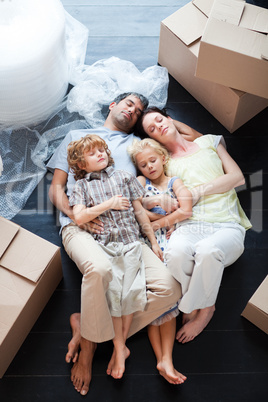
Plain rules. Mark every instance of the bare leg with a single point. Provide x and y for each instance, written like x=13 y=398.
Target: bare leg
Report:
x=116 y=366
x=82 y=369
x=74 y=344
x=196 y=325
x=162 y=340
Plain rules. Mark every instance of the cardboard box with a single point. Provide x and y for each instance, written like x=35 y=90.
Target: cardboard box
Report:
x=30 y=271
x=179 y=44
x=234 y=47
x=256 y=310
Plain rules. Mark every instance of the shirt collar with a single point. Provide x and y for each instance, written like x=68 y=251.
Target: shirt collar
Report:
x=98 y=175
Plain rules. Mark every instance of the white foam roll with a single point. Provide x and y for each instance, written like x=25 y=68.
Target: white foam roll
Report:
x=33 y=61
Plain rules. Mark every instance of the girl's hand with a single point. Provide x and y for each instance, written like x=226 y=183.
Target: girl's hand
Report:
x=195 y=195
x=168 y=203
x=119 y=203
x=170 y=231
x=157 y=250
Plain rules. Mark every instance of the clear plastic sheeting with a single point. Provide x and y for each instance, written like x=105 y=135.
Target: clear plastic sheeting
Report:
x=25 y=152
x=1 y=166
x=97 y=85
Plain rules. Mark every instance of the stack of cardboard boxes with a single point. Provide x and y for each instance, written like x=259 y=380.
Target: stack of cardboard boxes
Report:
x=218 y=51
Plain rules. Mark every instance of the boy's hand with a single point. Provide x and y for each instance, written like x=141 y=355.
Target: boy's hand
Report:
x=157 y=250
x=119 y=203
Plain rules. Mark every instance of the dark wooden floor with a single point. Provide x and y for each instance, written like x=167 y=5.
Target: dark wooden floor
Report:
x=229 y=360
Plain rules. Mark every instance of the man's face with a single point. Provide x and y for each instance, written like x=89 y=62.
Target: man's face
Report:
x=126 y=113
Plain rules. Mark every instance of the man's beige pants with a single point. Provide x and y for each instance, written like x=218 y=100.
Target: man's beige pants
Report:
x=162 y=290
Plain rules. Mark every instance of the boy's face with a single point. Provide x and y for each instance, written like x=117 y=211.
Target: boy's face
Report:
x=96 y=159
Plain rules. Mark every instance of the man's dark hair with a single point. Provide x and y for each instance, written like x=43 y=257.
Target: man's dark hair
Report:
x=142 y=98
x=138 y=129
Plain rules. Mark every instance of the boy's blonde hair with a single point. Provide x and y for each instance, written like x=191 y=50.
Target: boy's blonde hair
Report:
x=138 y=146
x=76 y=150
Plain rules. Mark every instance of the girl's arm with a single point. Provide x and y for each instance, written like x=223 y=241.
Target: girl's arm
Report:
x=232 y=178
x=145 y=224
x=83 y=214
x=184 y=211
x=168 y=203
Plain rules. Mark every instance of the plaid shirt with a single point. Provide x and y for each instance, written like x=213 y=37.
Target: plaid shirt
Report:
x=98 y=187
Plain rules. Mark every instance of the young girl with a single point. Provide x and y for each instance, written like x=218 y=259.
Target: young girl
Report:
x=115 y=197
x=150 y=158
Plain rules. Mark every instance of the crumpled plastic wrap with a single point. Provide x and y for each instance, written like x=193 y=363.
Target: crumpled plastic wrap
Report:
x=97 y=85
x=25 y=150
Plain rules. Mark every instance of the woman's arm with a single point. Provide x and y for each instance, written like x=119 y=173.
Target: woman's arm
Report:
x=83 y=214
x=146 y=227
x=232 y=178
x=184 y=211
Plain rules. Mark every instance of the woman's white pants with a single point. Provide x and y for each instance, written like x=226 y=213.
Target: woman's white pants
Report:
x=196 y=256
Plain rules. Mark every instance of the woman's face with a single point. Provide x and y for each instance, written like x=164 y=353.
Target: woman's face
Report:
x=159 y=127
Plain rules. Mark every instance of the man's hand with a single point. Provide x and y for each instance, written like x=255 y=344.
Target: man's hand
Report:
x=95 y=226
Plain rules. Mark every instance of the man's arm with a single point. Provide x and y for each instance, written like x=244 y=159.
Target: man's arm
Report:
x=57 y=193
x=59 y=198
x=189 y=133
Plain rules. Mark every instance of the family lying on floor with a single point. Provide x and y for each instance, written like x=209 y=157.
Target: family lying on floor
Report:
x=150 y=246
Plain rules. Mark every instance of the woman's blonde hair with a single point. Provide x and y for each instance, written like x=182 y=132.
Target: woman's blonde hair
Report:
x=77 y=149
x=138 y=146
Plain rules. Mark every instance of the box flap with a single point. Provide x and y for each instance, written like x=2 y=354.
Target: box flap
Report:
x=204 y=6
x=228 y=11
x=8 y=231
x=188 y=23
x=255 y=18
x=264 y=49
x=260 y=297
x=28 y=255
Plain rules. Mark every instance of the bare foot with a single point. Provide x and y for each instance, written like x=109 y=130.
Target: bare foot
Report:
x=116 y=366
x=73 y=346
x=81 y=373
x=188 y=317
x=167 y=370
x=195 y=326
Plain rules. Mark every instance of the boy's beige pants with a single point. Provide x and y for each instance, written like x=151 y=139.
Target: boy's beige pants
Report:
x=163 y=291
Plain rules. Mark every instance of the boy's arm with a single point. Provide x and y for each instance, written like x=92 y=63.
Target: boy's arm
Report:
x=145 y=224
x=83 y=214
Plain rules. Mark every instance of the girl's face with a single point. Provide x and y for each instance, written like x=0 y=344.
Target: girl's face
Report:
x=150 y=163
x=96 y=159
x=159 y=127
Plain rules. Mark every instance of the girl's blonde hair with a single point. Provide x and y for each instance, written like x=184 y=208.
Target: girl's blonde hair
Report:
x=138 y=146
x=77 y=149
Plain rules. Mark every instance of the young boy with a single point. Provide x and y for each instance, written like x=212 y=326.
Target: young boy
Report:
x=115 y=197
